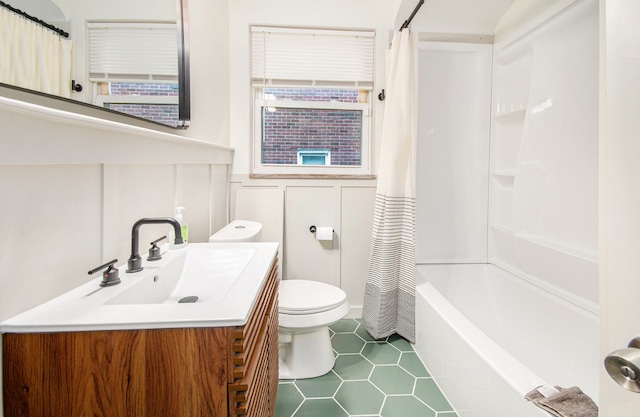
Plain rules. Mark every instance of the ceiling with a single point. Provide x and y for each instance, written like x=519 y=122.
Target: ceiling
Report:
x=454 y=16
x=45 y=10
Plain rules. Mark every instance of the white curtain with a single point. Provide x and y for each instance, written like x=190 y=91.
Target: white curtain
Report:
x=389 y=304
x=32 y=56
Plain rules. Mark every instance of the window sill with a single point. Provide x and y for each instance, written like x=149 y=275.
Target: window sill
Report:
x=313 y=176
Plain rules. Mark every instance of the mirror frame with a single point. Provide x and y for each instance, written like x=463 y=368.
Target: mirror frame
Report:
x=184 y=67
x=81 y=107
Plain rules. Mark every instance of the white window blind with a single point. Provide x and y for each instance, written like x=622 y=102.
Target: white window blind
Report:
x=133 y=52
x=312 y=57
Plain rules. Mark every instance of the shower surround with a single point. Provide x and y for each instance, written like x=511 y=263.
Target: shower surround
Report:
x=508 y=179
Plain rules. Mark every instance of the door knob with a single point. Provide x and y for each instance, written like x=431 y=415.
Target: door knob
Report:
x=623 y=366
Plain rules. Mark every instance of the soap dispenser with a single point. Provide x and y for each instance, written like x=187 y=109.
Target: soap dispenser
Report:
x=185 y=229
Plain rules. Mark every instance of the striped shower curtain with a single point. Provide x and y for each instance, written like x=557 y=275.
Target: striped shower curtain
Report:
x=33 y=57
x=389 y=302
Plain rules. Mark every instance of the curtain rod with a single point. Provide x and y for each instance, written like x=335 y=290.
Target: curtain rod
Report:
x=35 y=19
x=408 y=21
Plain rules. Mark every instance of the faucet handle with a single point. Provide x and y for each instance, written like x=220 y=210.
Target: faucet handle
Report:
x=154 y=250
x=110 y=276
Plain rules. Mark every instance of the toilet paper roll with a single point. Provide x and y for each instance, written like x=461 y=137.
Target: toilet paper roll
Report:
x=324 y=233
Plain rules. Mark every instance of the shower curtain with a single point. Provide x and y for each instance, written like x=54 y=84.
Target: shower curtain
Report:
x=33 y=56
x=389 y=304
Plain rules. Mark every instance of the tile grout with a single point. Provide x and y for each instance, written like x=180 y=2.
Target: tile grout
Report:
x=351 y=390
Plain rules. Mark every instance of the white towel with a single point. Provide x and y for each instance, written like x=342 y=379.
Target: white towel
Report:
x=568 y=402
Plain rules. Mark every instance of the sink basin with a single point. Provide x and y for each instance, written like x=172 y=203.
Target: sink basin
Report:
x=217 y=283
x=201 y=272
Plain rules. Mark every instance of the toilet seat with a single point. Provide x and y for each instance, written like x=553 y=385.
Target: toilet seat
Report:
x=298 y=296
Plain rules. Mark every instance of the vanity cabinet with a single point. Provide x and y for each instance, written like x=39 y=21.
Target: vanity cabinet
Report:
x=254 y=358
x=216 y=371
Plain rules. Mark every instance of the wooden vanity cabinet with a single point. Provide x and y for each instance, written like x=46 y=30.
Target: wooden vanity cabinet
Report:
x=213 y=372
x=254 y=359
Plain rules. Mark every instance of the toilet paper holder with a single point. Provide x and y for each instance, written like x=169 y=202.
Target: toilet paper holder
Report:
x=312 y=229
x=623 y=366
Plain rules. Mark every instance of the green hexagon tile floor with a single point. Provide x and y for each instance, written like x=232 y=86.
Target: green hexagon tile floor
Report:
x=371 y=378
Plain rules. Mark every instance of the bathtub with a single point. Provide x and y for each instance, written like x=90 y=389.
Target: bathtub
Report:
x=488 y=337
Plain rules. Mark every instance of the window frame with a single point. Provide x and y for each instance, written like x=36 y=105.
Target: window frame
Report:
x=101 y=99
x=348 y=63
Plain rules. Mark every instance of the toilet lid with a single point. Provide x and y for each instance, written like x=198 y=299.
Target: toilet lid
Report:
x=298 y=296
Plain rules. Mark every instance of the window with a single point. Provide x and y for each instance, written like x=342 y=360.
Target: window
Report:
x=133 y=68
x=314 y=157
x=312 y=101
x=308 y=118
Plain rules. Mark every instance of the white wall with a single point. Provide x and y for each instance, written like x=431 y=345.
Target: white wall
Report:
x=523 y=13
x=211 y=102
x=453 y=152
x=347 y=205
x=66 y=219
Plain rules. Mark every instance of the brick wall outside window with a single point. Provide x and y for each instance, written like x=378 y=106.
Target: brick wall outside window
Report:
x=143 y=89
x=286 y=130
x=162 y=113
x=313 y=94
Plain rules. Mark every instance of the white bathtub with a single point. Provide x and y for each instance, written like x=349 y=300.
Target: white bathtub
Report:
x=488 y=337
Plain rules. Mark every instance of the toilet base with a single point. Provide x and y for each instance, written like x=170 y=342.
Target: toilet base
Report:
x=305 y=355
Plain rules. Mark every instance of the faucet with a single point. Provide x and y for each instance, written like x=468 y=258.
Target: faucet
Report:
x=134 y=264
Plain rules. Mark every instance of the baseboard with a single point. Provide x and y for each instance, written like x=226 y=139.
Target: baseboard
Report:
x=354 y=313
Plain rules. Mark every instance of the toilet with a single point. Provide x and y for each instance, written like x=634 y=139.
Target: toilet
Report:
x=306 y=310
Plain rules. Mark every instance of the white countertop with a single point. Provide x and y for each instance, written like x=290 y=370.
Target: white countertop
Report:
x=226 y=295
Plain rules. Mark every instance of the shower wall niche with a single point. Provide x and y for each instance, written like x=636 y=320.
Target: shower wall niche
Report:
x=543 y=182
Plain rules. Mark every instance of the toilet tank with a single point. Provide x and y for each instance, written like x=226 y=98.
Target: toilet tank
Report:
x=238 y=231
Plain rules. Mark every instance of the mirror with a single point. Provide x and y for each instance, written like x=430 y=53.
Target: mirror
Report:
x=128 y=57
